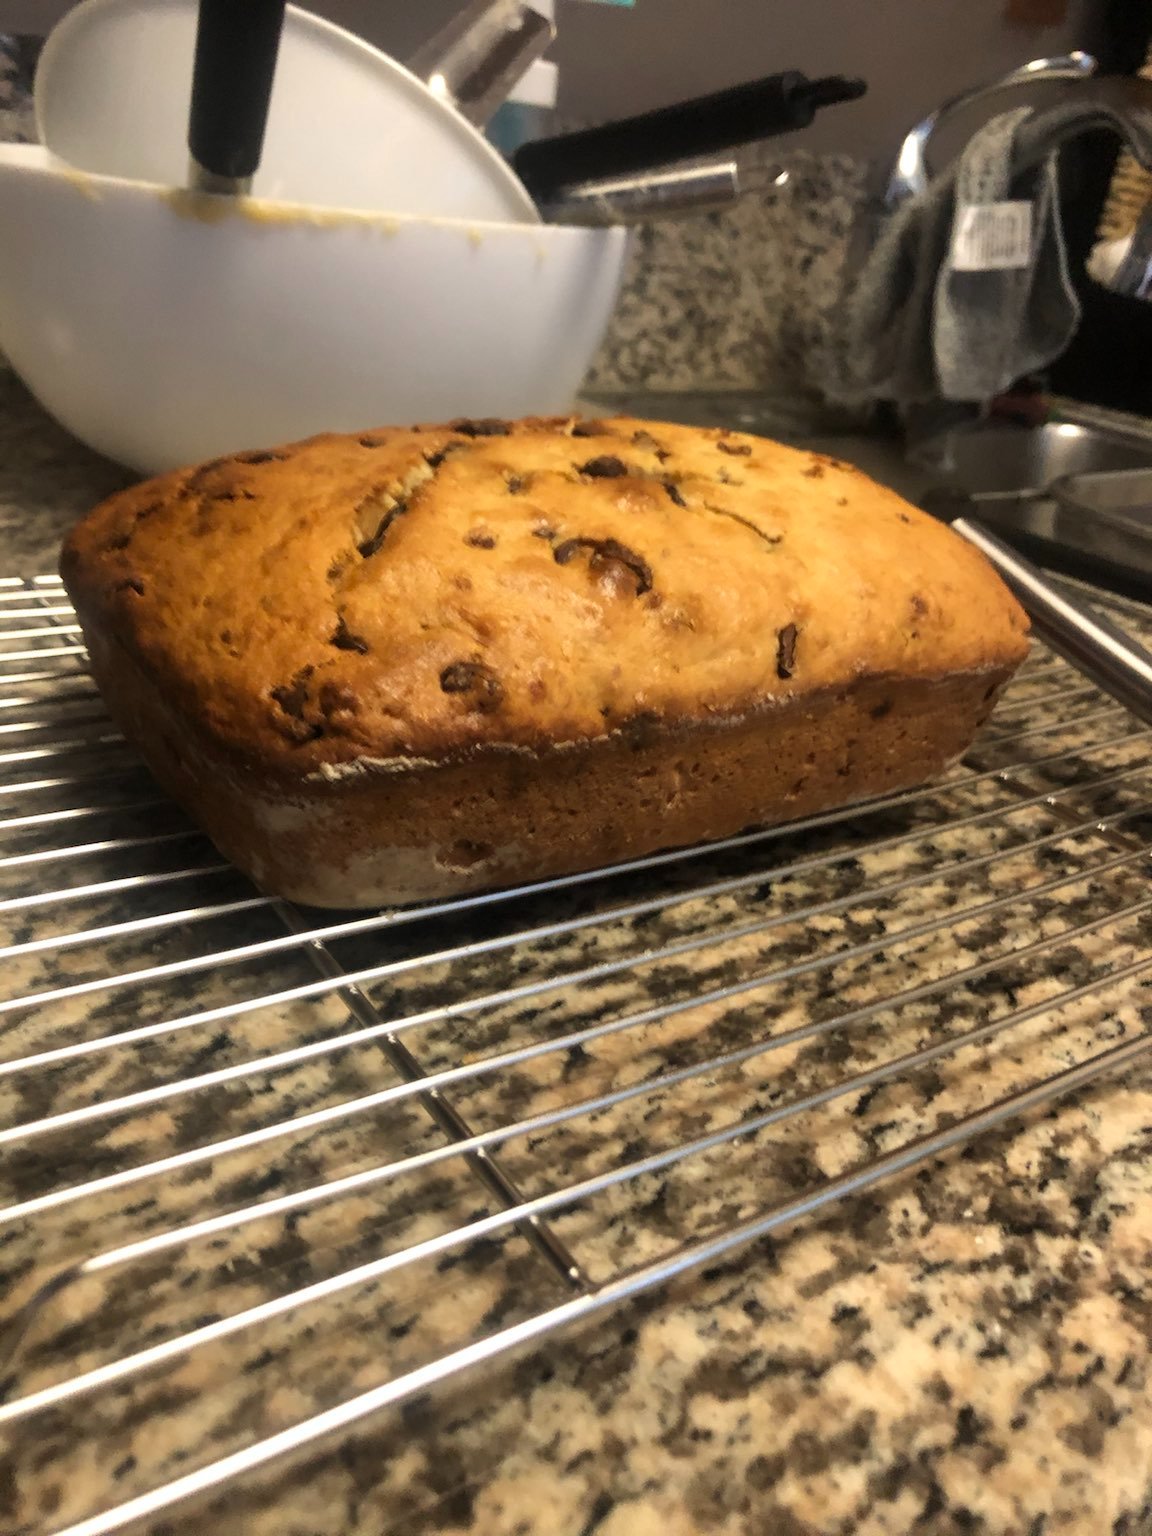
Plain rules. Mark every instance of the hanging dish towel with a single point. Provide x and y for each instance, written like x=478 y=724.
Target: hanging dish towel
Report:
x=967 y=288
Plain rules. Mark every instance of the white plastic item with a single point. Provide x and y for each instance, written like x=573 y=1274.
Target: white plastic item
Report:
x=538 y=86
x=1106 y=258
x=165 y=327
x=348 y=127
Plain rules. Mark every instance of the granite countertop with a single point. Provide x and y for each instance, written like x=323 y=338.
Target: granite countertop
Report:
x=965 y=1349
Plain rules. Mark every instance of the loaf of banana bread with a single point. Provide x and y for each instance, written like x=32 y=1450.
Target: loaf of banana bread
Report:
x=419 y=661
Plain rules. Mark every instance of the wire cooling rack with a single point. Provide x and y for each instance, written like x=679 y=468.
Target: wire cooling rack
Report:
x=269 y=1172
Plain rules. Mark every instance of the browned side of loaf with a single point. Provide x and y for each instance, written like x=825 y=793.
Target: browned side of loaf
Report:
x=408 y=663
x=500 y=818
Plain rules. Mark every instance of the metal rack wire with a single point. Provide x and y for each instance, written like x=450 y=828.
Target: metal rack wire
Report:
x=245 y=1143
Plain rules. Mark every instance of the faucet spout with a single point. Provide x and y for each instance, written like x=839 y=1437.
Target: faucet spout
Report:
x=910 y=174
x=1120 y=103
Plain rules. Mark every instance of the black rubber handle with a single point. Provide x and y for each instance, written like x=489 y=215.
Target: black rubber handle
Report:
x=236 y=46
x=742 y=114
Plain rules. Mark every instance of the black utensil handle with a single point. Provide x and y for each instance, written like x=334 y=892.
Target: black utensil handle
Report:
x=705 y=125
x=236 y=46
x=1089 y=640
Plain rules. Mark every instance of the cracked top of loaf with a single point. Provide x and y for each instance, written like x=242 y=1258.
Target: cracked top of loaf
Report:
x=420 y=592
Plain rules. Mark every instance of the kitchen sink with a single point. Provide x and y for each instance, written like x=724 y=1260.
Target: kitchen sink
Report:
x=990 y=459
x=1073 y=495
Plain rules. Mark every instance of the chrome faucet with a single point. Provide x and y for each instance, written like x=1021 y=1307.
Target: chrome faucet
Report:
x=909 y=175
x=1082 y=102
x=1121 y=103
x=892 y=184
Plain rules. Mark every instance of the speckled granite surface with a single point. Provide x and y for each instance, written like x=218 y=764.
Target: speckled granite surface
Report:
x=742 y=299
x=18 y=55
x=47 y=481
x=964 y=1349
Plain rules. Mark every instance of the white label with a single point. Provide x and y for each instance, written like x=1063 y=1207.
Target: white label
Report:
x=992 y=237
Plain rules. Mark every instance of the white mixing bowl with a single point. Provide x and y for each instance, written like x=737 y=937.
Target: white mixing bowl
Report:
x=163 y=327
x=348 y=127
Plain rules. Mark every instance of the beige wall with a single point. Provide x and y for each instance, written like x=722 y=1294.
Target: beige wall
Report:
x=913 y=53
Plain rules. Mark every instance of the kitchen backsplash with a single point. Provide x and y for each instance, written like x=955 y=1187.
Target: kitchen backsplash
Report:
x=741 y=299
x=18 y=55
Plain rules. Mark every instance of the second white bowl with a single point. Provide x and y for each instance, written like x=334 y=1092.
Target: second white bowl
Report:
x=348 y=127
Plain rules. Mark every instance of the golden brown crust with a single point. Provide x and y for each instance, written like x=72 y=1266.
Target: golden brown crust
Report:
x=430 y=593
x=369 y=838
